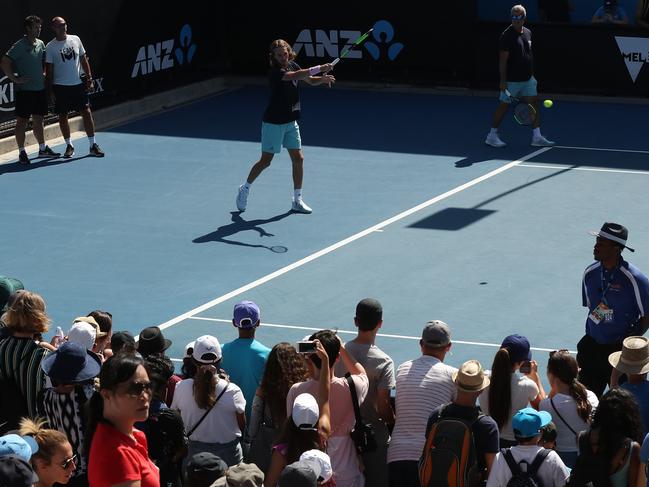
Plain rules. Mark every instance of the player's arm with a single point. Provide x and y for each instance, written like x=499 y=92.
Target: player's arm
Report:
x=384 y=408
x=85 y=65
x=325 y=79
x=7 y=68
x=305 y=74
x=502 y=69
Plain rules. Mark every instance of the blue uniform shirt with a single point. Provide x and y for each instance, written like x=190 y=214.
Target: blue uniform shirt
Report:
x=627 y=295
x=244 y=360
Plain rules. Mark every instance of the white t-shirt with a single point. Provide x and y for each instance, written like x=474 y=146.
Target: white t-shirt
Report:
x=566 y=439
x=220 y=425
x=552 y=472
x=524 y=390
x=65 y=58
x=423 y=385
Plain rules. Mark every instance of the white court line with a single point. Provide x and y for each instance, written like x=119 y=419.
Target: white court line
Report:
x=348 y=240
x=591 y=169
x=602 y=149
x=386 y=335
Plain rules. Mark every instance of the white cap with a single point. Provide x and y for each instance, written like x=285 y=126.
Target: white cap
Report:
x=83 y=333
x=322 y=460
x=305 y=412
x=207 y=349
x=188 y=347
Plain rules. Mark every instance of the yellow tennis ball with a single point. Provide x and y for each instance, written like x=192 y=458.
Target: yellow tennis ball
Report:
x=548 y=103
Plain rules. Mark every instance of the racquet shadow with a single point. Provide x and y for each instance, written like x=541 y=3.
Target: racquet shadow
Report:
x=240 y=225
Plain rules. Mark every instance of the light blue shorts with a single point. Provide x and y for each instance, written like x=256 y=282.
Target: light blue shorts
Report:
x=519 y=89
x=274 y=136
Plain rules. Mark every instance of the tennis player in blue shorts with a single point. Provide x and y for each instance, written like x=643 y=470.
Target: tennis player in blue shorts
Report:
x=515 y=67
x=279 y=127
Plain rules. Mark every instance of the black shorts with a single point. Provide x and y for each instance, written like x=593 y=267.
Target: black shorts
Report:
x=70 y=98
x=31 y=103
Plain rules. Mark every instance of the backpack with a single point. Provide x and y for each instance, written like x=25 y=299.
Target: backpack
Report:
x=527 y=477
x=167 y=445
x=449 y=458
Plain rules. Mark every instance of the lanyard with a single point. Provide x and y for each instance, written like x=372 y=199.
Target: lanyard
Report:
x=606 y=284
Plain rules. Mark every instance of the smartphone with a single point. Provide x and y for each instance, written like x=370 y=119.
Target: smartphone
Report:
x=306 y=347
x=526 y=367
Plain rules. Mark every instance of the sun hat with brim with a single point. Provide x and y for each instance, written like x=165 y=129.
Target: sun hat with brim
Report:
x=470 y=377
x=614 y=232
x=151 y=340
x=634 y=356
x=71 y=364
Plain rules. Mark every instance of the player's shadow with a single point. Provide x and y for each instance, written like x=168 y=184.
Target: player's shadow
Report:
x=240 y=225
x=37 y=164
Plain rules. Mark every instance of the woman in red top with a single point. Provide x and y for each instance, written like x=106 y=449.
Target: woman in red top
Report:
x=118 y=452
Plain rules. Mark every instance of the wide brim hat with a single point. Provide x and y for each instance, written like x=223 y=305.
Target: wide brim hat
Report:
x=633 y=359
x=470 y=377
x=614 y=232
x=71 y=363
x=151 y=340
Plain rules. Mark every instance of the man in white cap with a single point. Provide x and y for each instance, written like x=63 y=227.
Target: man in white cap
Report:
x=616 y=294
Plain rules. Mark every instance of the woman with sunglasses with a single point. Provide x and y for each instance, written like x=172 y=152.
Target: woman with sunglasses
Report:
x=569 y=402
x=54 y=462
x=118 y=454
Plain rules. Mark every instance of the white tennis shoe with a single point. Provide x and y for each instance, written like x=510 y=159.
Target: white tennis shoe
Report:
x=494 y=141
x=541 y=141
x=300 y=206
x=242 y=198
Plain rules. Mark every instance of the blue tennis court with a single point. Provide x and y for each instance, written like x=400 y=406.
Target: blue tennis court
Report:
x=410 y=207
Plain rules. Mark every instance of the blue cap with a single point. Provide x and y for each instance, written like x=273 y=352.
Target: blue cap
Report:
x=20 y=446
x=518 y=347
x=246 y=314
x=528 y=422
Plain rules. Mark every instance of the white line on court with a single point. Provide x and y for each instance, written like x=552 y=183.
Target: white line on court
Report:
x=386 y=335
x=602 y=149
x=348 y=240
x=591 y=169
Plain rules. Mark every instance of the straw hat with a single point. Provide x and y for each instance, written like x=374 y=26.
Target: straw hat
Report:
x=470 y=377
x=634 y=357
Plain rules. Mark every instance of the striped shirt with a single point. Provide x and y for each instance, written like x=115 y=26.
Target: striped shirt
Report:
x=20 y=363
x=423 y=385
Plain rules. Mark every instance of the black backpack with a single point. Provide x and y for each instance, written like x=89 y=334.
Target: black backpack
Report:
x=527 y=477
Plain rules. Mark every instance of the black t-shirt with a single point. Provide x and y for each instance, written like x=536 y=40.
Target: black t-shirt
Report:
x=284 y=104
x=519 y=47
x=485 y=429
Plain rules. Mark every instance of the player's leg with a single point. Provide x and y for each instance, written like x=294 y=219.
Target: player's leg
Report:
x=529 y=94
x=62 y=107
x=21 y=125
x=39 y=110
x=493 y=138
x=293 y=143
x=82 y=105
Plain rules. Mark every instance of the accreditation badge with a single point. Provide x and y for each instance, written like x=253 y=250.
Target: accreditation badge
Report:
x=601 y=313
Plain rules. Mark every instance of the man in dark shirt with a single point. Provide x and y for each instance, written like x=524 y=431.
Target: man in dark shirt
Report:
x=279 y=127
x=516 y=77
x=470 y=381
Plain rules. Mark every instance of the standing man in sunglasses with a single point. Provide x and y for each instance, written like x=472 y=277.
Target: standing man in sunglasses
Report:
x=516 y=77
x=65 y=57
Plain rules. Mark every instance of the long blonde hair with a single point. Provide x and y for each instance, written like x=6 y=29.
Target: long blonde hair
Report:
x=26 y=313
x=48 y=440
x=274 y=45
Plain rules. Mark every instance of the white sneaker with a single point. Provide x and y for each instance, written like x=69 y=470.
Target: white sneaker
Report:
x=541 y=141
x=494 y=141
x=242 y=198
x=300 y=206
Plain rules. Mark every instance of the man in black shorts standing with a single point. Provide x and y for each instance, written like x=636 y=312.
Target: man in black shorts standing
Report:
x=64 y=58
x=23 y=64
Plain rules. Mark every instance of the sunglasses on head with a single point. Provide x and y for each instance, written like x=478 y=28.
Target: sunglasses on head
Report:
x=69 y=461
x=135 y=389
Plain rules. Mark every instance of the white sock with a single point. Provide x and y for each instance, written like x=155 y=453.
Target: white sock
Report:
x=21 y=149
x=297 y=194
x=41 y=147
x=91 y=140
x=494 y=131
x=247 y=185
x=536 y=132
x=67 y=141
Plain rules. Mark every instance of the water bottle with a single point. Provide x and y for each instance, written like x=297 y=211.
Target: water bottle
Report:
x=59 y=337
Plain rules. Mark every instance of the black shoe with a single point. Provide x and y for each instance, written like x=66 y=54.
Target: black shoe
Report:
x=47 y=152
x=96 y=151
x=69 y=151
x=22 y=157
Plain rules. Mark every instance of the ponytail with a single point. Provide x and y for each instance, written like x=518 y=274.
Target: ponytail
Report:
x=580 y=394
x=563 y=367
x=48 y=440
x=500 y=388
x=205 y=380
x=94 y=416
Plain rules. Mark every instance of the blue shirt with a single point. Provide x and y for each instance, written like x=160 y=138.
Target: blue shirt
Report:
x=244 y=360
x=641 y=393
x=627 y=294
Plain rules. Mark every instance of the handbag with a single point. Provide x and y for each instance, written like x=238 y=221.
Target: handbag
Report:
x=261 y=445
x=363 y=434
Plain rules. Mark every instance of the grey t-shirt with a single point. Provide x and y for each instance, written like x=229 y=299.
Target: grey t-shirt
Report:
x=28 y=61
x=380 y=371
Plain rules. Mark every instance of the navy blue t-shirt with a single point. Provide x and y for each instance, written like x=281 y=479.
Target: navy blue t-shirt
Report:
x=519 y=47
x=284 y=103
x=485 y=429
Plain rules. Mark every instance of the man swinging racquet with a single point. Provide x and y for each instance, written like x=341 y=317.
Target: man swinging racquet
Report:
x=516 y=79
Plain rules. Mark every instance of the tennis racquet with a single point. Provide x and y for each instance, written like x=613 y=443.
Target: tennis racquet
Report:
x=524 y=113
x=356 y=43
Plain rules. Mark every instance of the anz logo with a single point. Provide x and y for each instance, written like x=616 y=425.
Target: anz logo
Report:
x=331 y=43
x=165 y=54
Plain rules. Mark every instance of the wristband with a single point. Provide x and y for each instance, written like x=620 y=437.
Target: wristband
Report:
x=314 y=70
